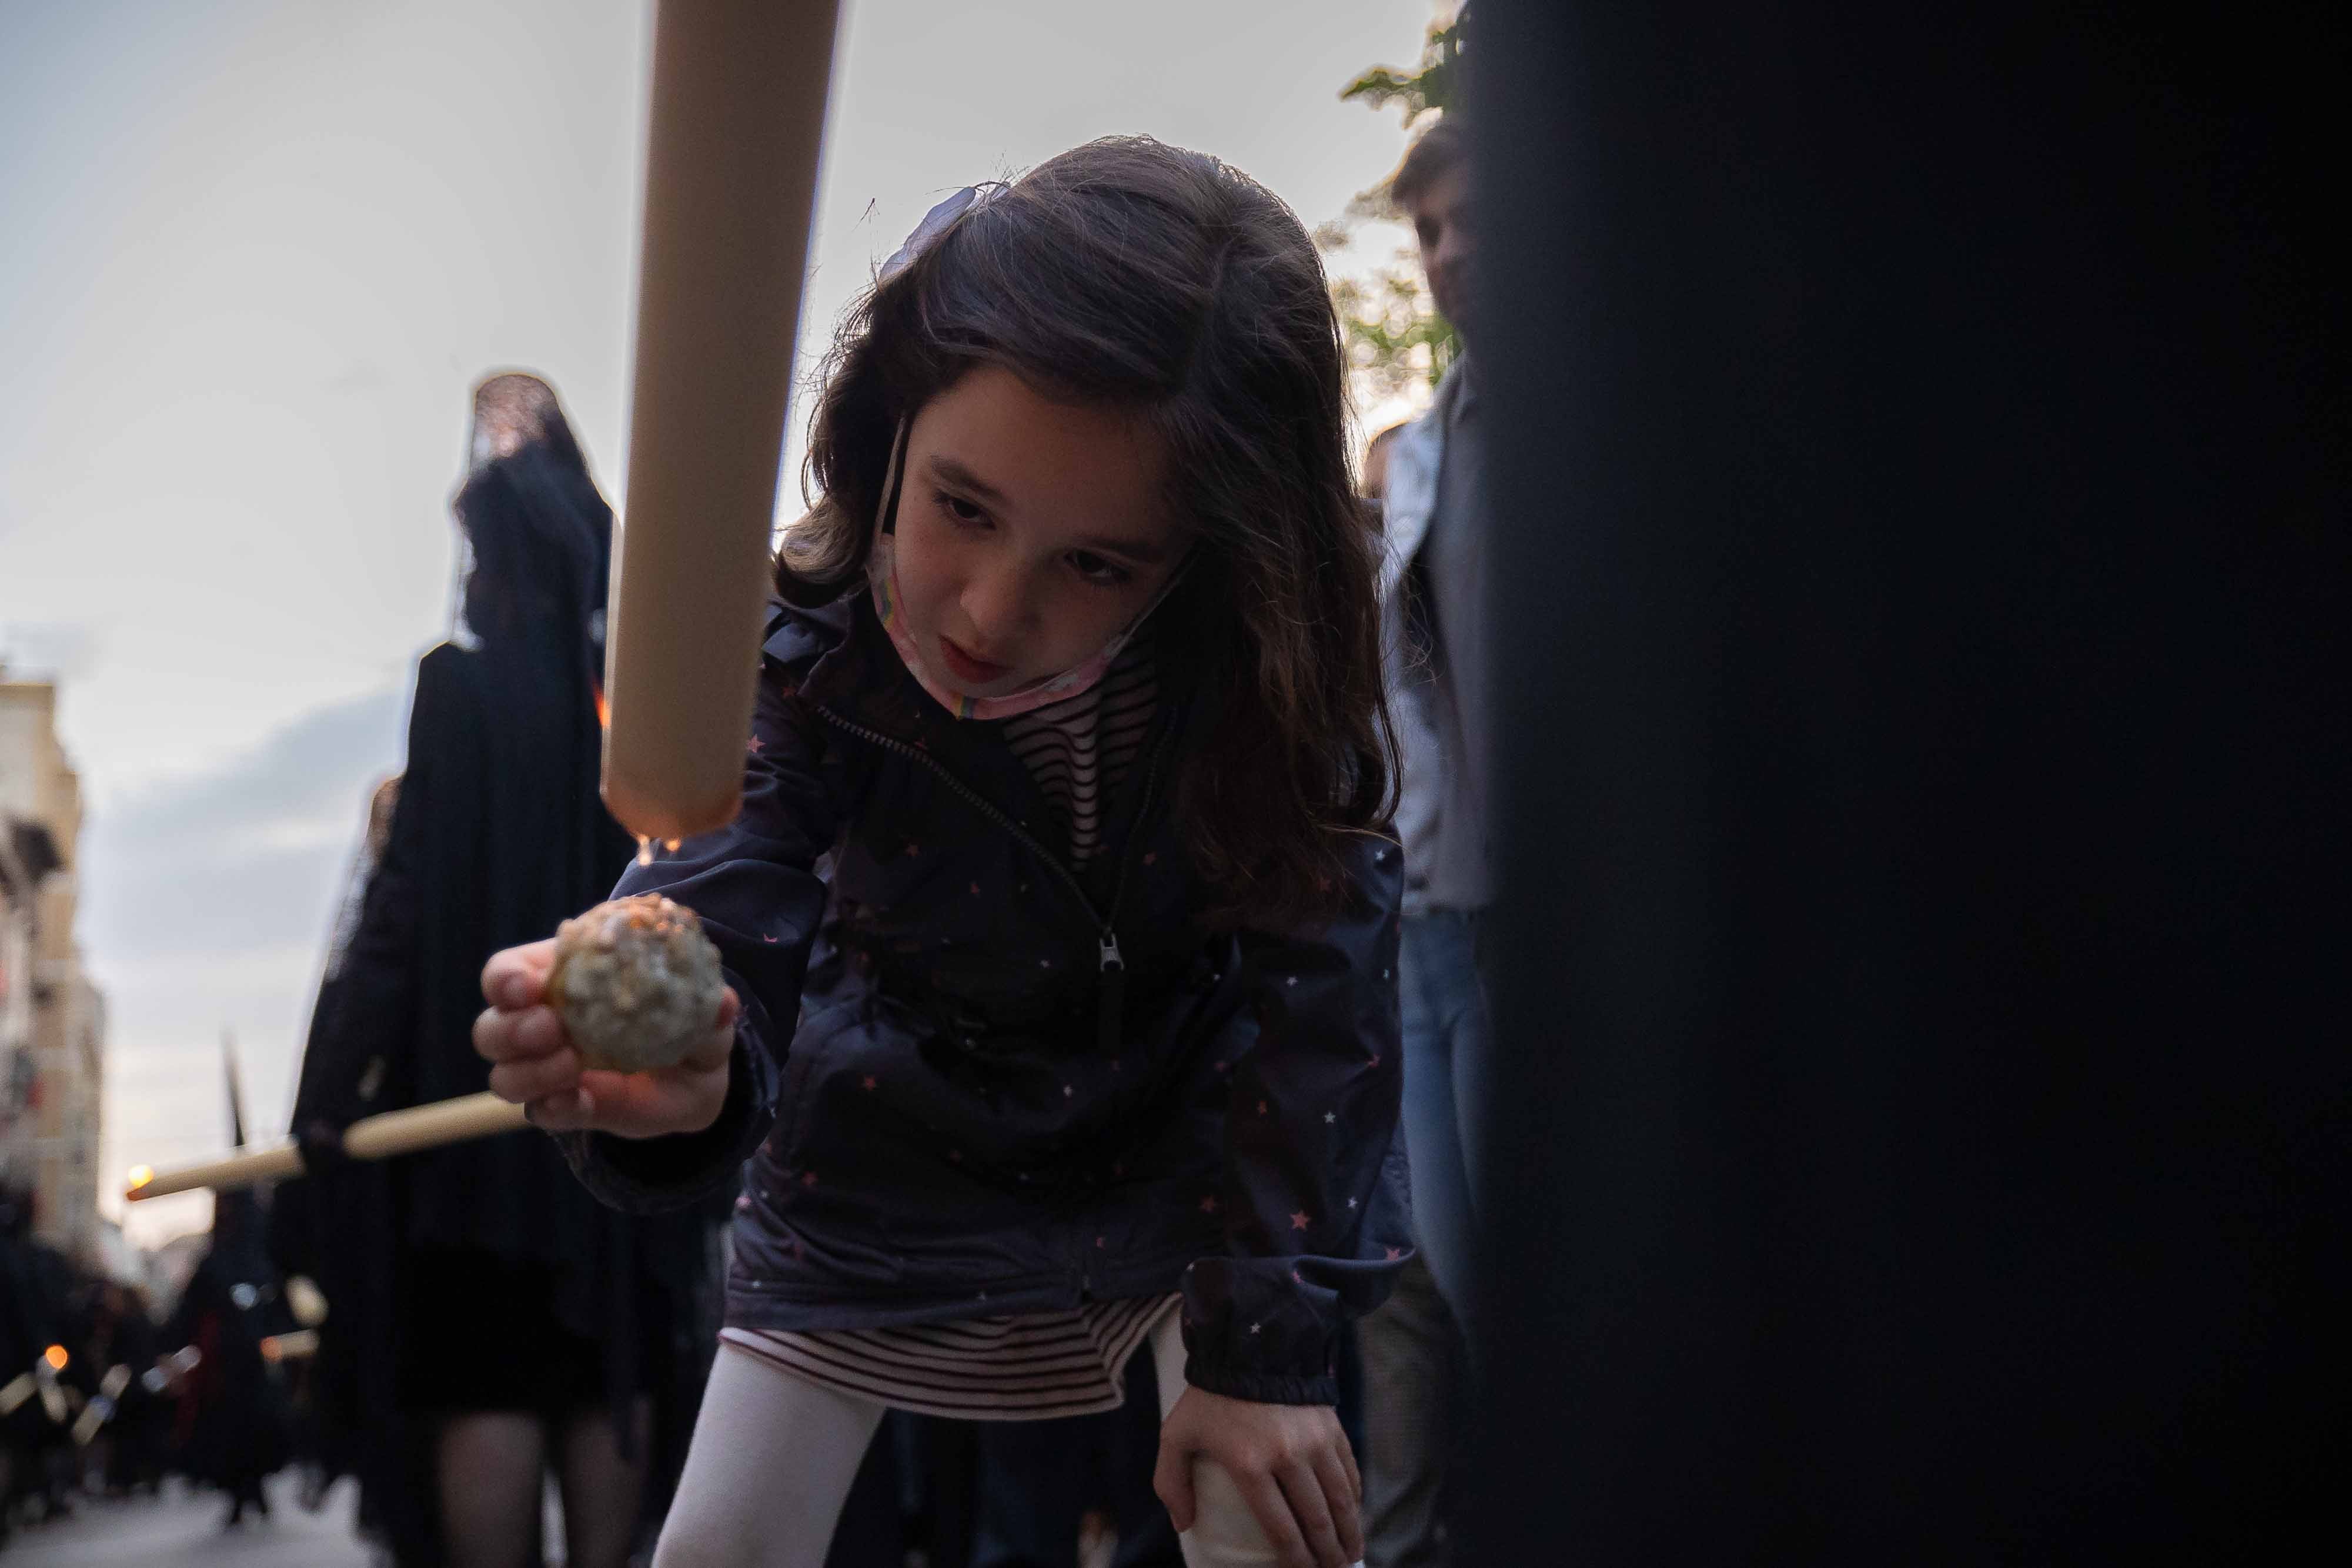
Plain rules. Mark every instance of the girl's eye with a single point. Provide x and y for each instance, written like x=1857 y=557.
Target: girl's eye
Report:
x=960 y=510
x=1097 y=570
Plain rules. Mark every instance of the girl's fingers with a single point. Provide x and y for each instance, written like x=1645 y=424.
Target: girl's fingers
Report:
x=1172 y=1478
x=536 y=1078
x=1335 y=1470
x=716 y=1048
x=573 y=1111
x=1302 y=1488
x=650 y=1104
x=1270 y=1509
x=516 y=977
x=500 y=1035
x=490 y=1027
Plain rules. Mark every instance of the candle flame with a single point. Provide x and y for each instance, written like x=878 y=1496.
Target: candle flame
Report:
x=57 y=1357
x=603 y=709
x=140 y=1177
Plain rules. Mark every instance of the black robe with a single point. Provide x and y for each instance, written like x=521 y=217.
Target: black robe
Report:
x=498 y=833
x=232 y=1427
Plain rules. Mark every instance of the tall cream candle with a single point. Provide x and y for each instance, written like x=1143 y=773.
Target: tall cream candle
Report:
x=739 y=93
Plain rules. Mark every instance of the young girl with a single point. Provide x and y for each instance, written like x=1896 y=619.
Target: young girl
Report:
x=1061 y=915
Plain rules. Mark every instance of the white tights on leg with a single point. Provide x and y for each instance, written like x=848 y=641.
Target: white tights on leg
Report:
x=774 y=1455
x=770 y=1465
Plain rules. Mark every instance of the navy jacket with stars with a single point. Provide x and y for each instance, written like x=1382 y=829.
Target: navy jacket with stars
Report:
x=973 y=1080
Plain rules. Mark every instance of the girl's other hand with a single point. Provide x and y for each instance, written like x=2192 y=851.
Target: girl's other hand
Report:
x=534 y=1064
x=1290 y=1462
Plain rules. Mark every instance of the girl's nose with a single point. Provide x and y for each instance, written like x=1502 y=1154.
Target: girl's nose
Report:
x=996 y=603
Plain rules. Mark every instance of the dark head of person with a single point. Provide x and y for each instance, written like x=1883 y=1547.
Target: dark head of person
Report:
x=1432 y=188
x=538 y=534
x=1131 y=274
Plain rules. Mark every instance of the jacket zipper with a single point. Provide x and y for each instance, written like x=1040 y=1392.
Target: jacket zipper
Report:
x=1111 y=986
x=1111 y=991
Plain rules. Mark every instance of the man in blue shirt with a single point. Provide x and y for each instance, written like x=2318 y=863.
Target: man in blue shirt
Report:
x=1432 y=489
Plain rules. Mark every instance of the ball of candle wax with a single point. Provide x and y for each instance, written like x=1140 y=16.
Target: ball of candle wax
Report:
x=637 y=983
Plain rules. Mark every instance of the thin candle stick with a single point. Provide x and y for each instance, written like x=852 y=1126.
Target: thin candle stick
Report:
x=377 y=1137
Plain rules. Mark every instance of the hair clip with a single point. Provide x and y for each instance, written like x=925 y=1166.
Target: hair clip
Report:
x=936 y=222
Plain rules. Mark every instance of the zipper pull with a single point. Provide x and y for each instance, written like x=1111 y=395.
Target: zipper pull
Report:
x=1110 y=992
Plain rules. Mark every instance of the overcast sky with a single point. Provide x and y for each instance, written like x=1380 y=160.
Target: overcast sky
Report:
x=253 y=254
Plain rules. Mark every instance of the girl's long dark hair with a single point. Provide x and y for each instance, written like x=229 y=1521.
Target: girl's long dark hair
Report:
x=1129 y=273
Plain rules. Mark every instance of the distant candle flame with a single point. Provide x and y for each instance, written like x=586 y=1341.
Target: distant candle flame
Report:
x=140 y=1177
x=57 y=1357
x=603 y=709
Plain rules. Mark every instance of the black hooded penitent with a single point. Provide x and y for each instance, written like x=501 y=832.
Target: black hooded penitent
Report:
x=496 y=833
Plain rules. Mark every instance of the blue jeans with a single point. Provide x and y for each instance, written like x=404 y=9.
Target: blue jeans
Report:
x=1413 y=1377
x=1445 y=1018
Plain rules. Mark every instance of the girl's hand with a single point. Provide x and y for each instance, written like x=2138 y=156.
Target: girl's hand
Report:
x=534 y=1064
x=1290 y=1462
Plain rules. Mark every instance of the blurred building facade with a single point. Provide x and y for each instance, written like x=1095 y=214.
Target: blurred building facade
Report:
x=52 y=1019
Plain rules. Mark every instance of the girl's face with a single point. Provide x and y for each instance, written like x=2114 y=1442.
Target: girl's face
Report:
x=1030 y=532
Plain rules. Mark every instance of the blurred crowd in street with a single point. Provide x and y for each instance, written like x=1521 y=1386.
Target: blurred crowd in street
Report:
x=102 y=1393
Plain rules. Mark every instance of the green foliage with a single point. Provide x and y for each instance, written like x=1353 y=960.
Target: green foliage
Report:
x=1431 y=88
x=1394 y=334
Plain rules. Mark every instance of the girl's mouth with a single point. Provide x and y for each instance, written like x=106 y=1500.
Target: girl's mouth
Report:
x=972 y=671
